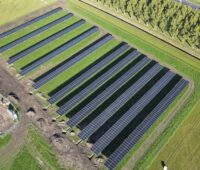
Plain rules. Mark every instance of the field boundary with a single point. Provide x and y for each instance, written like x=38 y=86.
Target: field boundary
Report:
x=32 y=15
x=188 y=50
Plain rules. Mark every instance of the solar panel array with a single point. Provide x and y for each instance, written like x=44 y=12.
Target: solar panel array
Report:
x=104 y=95
x=58 y=50
x=133 y=138
x=92 y=70
x=97 y=95
x=96 y=83
x=11 y=31
x=43 y=42
x=131 y=114
x=34 y=33
x=66 y=64
x=118 y=103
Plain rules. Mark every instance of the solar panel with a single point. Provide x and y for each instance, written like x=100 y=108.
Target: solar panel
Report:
x=57 y=51
x=92 y=70
x=34 y=33
x=4 y=34
x=119 y=102
x=66 y=64
x=96 y=83
x=131 y=114
x=43 y=42
x=133 y=138
x=104 y=95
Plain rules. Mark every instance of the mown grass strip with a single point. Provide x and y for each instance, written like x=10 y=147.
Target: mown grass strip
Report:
x=62 y=57
x=61 y=78
x=24 y=45
x=50 y=46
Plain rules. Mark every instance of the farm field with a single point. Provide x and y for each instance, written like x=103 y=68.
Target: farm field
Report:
x=181 y=62
x=19 y=8
x=108 y=89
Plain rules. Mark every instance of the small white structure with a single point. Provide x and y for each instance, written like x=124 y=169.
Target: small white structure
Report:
x=13 y=114
x=165 y=168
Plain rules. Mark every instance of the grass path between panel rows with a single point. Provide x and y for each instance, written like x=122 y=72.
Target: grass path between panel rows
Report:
x=67 y=74
x=29 y=42
x=8 y=39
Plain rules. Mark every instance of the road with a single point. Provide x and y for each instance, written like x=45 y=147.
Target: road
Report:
x=188 y=3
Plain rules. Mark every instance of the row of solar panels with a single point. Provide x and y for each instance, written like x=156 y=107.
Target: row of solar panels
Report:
x=111 y=81
x=105 y=93
x=43 y=42
x=101 y=78
x=34 y=33
x=139 y=131
x=72 y=60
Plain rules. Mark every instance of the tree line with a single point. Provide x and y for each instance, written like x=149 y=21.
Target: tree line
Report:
x=178 y=20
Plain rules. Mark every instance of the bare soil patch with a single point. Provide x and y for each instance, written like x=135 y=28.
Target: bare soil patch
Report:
x=31 y=111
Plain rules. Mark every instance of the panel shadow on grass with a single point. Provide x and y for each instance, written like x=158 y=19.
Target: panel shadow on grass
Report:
x=84 y=70
x=103 y=87
x=139 y=118
x=92 y=79
x=114 y=96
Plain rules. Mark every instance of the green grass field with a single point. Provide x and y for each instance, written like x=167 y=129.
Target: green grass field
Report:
x=4 y=140
x=18 y=9
x=166 y=54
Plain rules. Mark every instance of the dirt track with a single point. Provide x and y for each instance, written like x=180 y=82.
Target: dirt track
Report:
x=72 y=156
x=9 y=84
